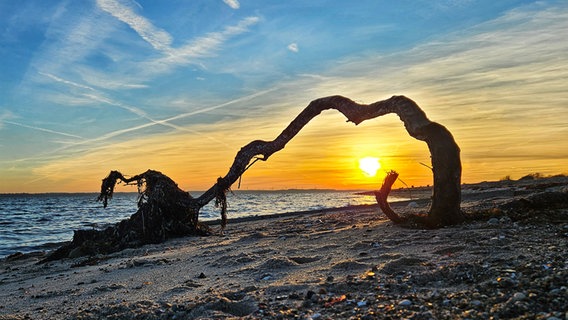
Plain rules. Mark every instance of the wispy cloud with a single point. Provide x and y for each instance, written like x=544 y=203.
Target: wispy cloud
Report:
x=156 y=37
x=67 y=82
x=232 y=3
x=75 y=149
x=162 y=40
x=202 y=47
x=293 y=47
x=87 y=94
x=5 y=116
x=508 y=52
x=94 y=95
x=74 y=39
x=218 y=106
x=129 y=73
x=41 y=129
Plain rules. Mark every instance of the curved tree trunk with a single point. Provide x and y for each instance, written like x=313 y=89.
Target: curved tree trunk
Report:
x=446 y=164
x=166 y=211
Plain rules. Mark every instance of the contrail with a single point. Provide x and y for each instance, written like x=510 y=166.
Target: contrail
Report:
x=152 y=122
x=245 y=98
x=67 y=82
x=42 y=129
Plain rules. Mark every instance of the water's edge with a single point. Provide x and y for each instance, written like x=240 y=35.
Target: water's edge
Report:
x=40 y=222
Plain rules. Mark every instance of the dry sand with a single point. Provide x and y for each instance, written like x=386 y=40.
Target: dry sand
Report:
x=339 y=264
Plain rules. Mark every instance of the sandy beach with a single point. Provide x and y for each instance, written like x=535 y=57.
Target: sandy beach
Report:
x=511 y=262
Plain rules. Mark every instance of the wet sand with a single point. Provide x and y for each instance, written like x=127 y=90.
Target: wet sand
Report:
x=348 y=263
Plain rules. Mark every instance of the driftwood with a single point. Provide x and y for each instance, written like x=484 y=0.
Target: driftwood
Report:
x=166 y=211
x=445 y=153
x=382 y=196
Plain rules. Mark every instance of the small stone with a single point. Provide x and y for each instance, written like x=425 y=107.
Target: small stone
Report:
x=476 y=303
x=493 y=221
x=413 y=205
x=405 y=303
x=505 y=220
x=518 y=296
x=506 y=282
x=556 y=291
x=202 y=276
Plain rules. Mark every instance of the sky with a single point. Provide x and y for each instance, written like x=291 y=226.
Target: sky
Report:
x=180 y=86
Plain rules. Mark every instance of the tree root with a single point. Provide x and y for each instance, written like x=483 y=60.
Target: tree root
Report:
x=164 y=211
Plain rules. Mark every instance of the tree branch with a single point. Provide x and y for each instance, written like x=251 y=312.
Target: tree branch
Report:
x=446 y=164
x=382 y=195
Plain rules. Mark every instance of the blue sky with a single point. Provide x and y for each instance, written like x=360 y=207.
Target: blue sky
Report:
x=180 y=86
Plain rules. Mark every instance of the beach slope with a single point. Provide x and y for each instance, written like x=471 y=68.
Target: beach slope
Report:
x=349 y=263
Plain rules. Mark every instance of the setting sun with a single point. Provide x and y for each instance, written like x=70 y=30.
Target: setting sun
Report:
x=369 y=165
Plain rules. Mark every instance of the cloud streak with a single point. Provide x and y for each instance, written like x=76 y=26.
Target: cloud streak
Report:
x=293 y=47
x=199 y=48
x=234 y=4
x=73 y=40
x=159 y=39
x=85 y=146
x=68 y=135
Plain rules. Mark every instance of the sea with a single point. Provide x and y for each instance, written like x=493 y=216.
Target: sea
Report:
x=40 y=222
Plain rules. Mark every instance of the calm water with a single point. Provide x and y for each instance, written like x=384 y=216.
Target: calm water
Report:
x=32 y=222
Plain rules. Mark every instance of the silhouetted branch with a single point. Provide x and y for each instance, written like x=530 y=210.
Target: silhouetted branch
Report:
x=446 y=164
x=166 y=211
x=382 y=195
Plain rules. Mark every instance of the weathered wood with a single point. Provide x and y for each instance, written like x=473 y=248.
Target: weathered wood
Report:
x=382 y=195
x=166 y=211
x=445 y=153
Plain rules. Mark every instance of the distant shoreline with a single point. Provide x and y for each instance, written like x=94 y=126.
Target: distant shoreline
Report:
x=525 y=180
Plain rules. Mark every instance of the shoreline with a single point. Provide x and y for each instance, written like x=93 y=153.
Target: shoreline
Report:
x=327 y=264
x=396 y=204
x=208 y=221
